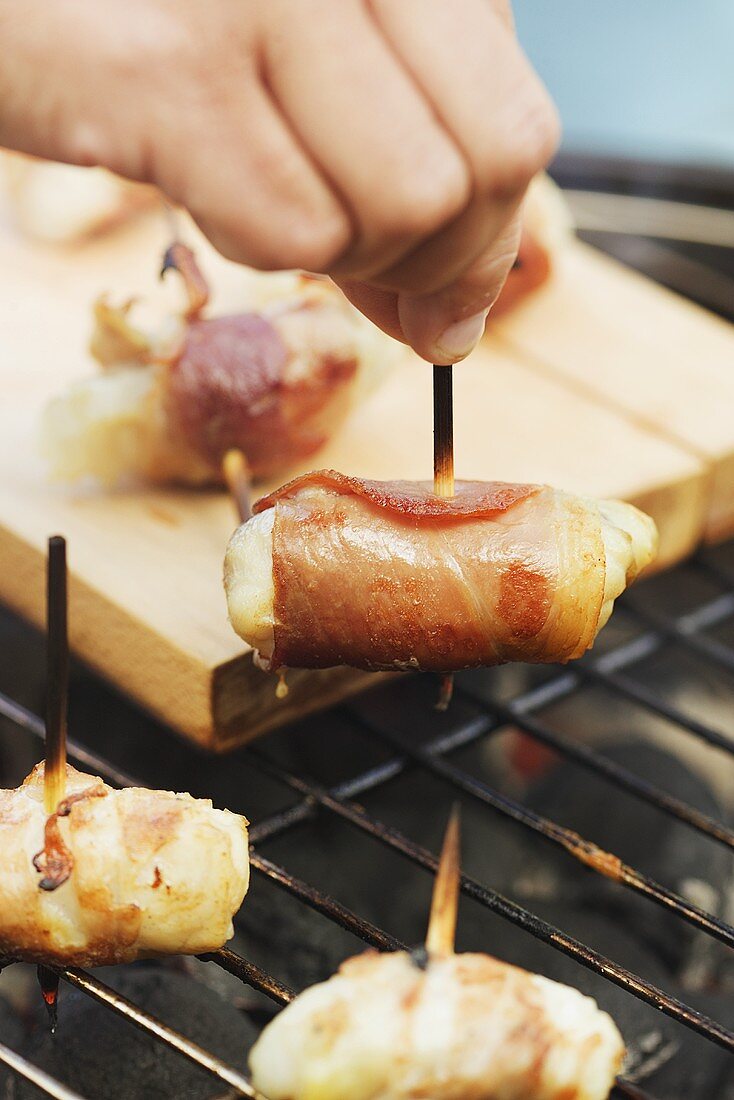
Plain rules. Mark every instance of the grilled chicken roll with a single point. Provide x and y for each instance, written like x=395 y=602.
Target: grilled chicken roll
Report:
x=167 y=406
x=386 y=1028
x=116 y=876
x=385 y=575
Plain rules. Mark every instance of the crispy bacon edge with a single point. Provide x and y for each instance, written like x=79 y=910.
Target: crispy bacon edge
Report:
x=472 y=499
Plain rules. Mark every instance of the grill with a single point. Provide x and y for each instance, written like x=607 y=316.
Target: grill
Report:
x=355 y=800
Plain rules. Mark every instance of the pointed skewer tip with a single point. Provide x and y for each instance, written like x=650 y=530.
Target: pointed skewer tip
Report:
x=237 y=475
x=441 y=935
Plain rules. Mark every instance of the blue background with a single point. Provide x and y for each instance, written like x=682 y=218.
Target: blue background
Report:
x=649 y=79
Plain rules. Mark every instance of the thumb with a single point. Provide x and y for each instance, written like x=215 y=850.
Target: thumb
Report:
x=444 y=327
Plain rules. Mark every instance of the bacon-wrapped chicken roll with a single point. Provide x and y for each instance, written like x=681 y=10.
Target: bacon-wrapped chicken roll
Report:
x=385 y=575
x=116 y=876
x=387 y=1028
x=274 y=384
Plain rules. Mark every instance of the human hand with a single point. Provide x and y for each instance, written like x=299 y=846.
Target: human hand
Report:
x=387 y=143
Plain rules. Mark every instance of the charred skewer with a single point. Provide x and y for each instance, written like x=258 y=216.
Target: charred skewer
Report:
x=57 y=690
x=443 y=469
x=49 y=983
x=237 y=476
x=441 y=935
x=57 y=684
x=443 y=432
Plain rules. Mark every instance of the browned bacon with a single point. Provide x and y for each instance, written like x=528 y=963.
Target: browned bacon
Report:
x=386 y=575
x=232 y=387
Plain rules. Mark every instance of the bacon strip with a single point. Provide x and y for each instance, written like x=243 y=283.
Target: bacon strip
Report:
x=415 y=498
x=231 y=388
x=384 y=575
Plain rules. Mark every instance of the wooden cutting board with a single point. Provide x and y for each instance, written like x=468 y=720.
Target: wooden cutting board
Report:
x=147 y=607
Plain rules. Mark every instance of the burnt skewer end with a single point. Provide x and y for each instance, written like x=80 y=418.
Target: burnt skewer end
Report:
x=48 y=980
x=57 y=684
x=443 y=432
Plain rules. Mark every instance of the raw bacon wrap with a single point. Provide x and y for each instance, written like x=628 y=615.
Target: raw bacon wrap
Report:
x=385 y=575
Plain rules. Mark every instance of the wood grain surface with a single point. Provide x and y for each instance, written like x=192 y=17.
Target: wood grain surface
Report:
x=537 y=401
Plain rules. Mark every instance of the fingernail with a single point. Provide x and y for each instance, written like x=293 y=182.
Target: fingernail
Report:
x=459 y=339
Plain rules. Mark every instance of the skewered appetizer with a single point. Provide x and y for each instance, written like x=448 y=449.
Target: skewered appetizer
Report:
x=116 y=875
x=388 y=1027
x=168 y=405
x=64 y=204
x=338 y=570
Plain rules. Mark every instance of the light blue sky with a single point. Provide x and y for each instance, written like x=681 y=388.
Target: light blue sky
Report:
x=650 y=78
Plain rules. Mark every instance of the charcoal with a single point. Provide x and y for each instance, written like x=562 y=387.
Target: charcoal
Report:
x=697 y=1068
x=662 y=848
x=287 y=939
x=11 y=1034
x=105 y=1057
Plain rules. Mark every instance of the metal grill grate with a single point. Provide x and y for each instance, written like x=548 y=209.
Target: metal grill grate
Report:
x=614 y=670
x=484 y=708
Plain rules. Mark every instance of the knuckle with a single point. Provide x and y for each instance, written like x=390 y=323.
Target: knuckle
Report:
x=481 y=284
x=531 y=137
x=426 y=198
x=311 y=243
x=296 y=242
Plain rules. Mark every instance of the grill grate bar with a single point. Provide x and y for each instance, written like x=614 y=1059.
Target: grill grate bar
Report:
x=510 y=910
x=603 y=863
x=369 y=780
x=684 y=630
x=30 y=722
x=143 y=1020
x=516 y=714
x=638 y=693
x=315 y=796
x=37 y=1076
x=471 y=731
x=324 y=903
x=604 y=670
x=250 y=974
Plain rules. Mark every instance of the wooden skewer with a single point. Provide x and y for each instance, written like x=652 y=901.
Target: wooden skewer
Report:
x=49 y=983
x=443 y=468
x=443 y=432
x=441 y=935
x=237 y=476
x=57 y=675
